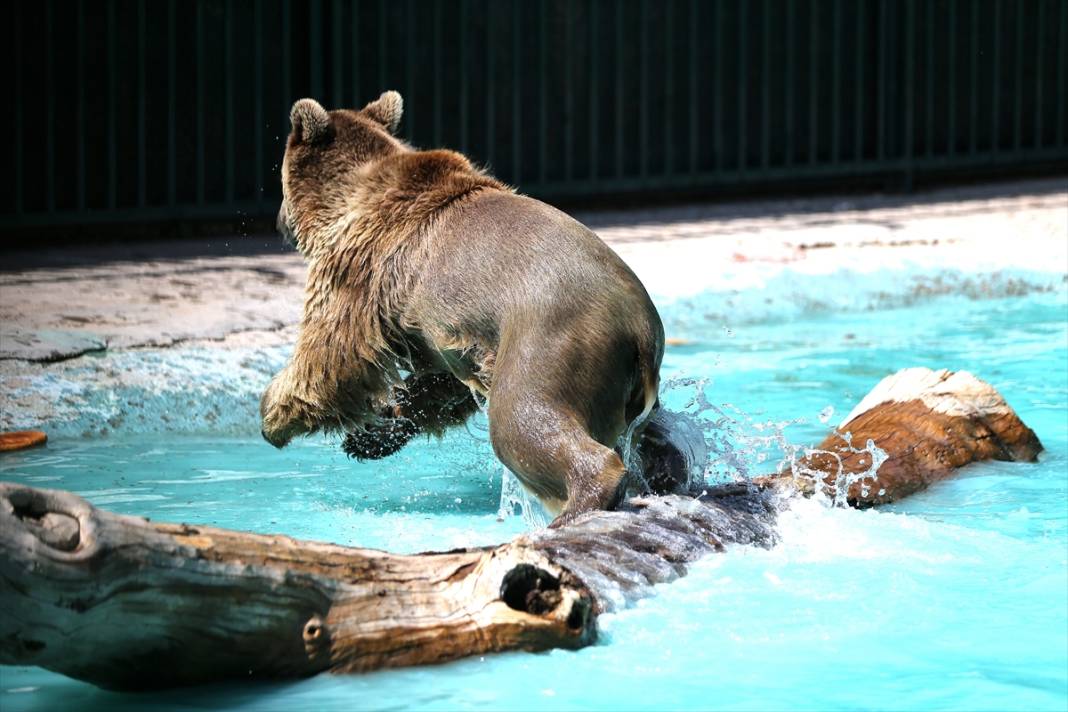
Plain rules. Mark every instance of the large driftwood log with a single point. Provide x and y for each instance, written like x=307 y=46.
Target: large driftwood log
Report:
x=127 y=603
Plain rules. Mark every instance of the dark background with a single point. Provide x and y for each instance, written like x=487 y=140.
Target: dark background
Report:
x=165 y=113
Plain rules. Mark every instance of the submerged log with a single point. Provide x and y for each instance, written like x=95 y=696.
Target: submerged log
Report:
x=126 y=603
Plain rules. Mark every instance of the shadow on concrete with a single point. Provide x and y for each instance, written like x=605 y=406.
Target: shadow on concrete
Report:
x=763 y=208
x=97 y=253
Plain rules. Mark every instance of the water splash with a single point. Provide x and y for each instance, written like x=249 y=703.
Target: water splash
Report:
x=726 y=443
x=515 y=501
x=809 y=479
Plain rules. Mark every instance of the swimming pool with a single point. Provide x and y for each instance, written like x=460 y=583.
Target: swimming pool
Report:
x=954 y=598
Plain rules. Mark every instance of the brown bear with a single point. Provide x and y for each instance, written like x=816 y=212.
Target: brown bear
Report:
x=420 y=263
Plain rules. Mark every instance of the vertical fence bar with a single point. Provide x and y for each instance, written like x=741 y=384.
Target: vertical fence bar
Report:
x=643 y=89
x=172 y=107
x=929 y=79
x=973 y=113
x=836 y=79
x=717 y=108
x=743 y=83
x=287 y=58
x=50 y=108
x=1039 y=66
x=1062 y=52
x=410 y=98
x=669 y=90
x=383 y=46
x=200 y=101
x=692 y=48
x=437 y=74
x=257 y=70
x=543 y=98
x=517 y=99
x=336 y=74
x=765 y=84
x=16 y=30
x=354 y=54
x=619 y=117
x=880 y=84
x=315 y=48
x=858 y=64
x=788 y=158
x=1017 y=124
x=228 y=101
x=569 y=95
x=142 y=177
x=79 y=117
x=951 y=131
x=910 y=88
x=491 y=102
x=995 y=75
x=594 y=49
x=462 y=49
x=113 y=82
x=813 y=84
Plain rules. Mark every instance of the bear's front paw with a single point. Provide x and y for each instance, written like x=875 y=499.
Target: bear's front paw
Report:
x=282 y=417
x=378 y=440
x=279 y=435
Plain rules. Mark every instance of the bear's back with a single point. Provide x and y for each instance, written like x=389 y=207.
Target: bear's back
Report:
x=498 y=255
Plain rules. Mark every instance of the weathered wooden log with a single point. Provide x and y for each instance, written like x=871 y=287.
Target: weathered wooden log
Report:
x=126 y=603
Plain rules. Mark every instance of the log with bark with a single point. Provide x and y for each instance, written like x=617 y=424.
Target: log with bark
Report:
x=126 y=603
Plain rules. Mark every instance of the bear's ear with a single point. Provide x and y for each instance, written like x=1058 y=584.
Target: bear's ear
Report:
x=310 y=120
x=386 y=110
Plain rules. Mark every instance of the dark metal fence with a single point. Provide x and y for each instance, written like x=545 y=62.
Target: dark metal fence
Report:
x=159 y=110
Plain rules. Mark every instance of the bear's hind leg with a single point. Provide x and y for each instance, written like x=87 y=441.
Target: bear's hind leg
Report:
x=555 y=457
x=600 y=487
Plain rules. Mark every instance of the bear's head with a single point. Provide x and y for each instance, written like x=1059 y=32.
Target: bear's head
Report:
x=324 y=153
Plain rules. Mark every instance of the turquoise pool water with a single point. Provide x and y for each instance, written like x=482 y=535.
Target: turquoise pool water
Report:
x=956 y=598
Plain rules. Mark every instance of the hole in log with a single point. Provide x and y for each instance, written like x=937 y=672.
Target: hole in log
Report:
x=27 y=504
x=579 y=615
x=316 y=638
x=313 y=629
x=530 y=589
x=56 y=529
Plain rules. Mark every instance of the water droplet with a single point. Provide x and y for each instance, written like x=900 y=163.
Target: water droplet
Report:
x=826 y=413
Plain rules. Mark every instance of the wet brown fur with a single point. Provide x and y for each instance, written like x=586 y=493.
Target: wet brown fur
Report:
x=420 y=262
